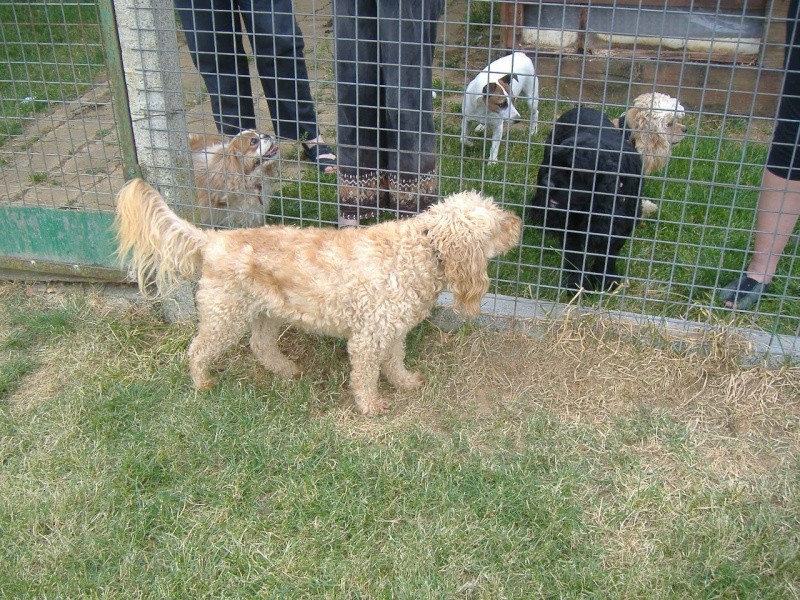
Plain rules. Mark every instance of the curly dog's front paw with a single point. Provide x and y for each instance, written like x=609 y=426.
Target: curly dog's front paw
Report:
x=410 y=380
x=287 y=371
x=204 y=381
x=374 y=406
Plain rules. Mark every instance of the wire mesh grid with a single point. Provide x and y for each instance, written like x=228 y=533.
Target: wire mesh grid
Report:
x=724 y=65
x=58 y=137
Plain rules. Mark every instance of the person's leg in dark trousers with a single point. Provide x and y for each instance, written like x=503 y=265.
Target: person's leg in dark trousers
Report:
x=214 y=38
x=278 y=46
x=407 y=34
x=358 y=110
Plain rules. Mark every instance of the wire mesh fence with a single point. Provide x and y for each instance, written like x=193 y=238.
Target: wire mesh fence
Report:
x=720 y=69
x=58 y=137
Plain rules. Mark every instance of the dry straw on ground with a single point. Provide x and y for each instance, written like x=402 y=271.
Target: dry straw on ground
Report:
x=583 y=371
x=591 y=371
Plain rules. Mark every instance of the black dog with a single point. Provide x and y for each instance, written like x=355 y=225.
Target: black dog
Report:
x=588 y=194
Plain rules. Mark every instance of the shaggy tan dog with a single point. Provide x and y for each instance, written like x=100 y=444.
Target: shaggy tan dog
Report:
x=370 y=285
x=653 y=125
x=233 y=178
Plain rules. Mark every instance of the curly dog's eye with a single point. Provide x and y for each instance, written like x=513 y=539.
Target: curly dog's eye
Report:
x=254 y=141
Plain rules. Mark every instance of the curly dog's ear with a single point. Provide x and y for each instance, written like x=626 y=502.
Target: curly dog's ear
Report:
x=465 y=266
x=467 y=230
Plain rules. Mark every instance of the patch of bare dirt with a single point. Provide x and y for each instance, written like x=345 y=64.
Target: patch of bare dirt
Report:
x=587 y=372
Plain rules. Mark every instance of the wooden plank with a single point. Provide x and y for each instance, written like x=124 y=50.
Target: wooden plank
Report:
x=748 y=6
x=511 y=14
x=714 y=89
x=703 y=82
x=16 y=269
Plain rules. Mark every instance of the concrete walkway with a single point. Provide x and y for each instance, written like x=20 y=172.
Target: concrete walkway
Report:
x=69 y=158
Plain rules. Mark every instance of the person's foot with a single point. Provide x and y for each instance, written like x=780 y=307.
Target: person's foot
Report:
x=742 y=293
x=317 y=151
x=345 y=221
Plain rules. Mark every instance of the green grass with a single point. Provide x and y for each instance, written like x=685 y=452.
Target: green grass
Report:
x=25 y=332
x=540 y=478
x=120 y=481
x=51 y=52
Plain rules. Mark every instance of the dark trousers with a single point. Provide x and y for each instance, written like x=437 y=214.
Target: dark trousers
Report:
x=784 y=154
x=214 y=34
x=384 y=52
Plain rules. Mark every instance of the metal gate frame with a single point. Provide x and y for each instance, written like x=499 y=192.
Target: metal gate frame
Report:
x=38 y=241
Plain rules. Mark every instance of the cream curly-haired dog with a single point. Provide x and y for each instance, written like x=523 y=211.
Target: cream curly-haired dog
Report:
x=653 y=125
x=370 y=285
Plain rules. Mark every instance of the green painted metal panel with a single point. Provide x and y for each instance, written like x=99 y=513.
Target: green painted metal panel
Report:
x=77 y=237
x=119 y=90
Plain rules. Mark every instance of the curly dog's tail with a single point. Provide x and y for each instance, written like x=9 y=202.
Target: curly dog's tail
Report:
x=162 y=248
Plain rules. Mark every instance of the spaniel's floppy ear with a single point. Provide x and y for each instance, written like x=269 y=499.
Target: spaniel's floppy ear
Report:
x=466 y=230
x=465 y=266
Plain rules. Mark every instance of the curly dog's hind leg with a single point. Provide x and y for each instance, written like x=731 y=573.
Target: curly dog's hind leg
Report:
x=218 y=331
x=264 y=344
x=365 y=353
x=393 y=366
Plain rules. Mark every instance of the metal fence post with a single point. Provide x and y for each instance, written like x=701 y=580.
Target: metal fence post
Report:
x=150 y=58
